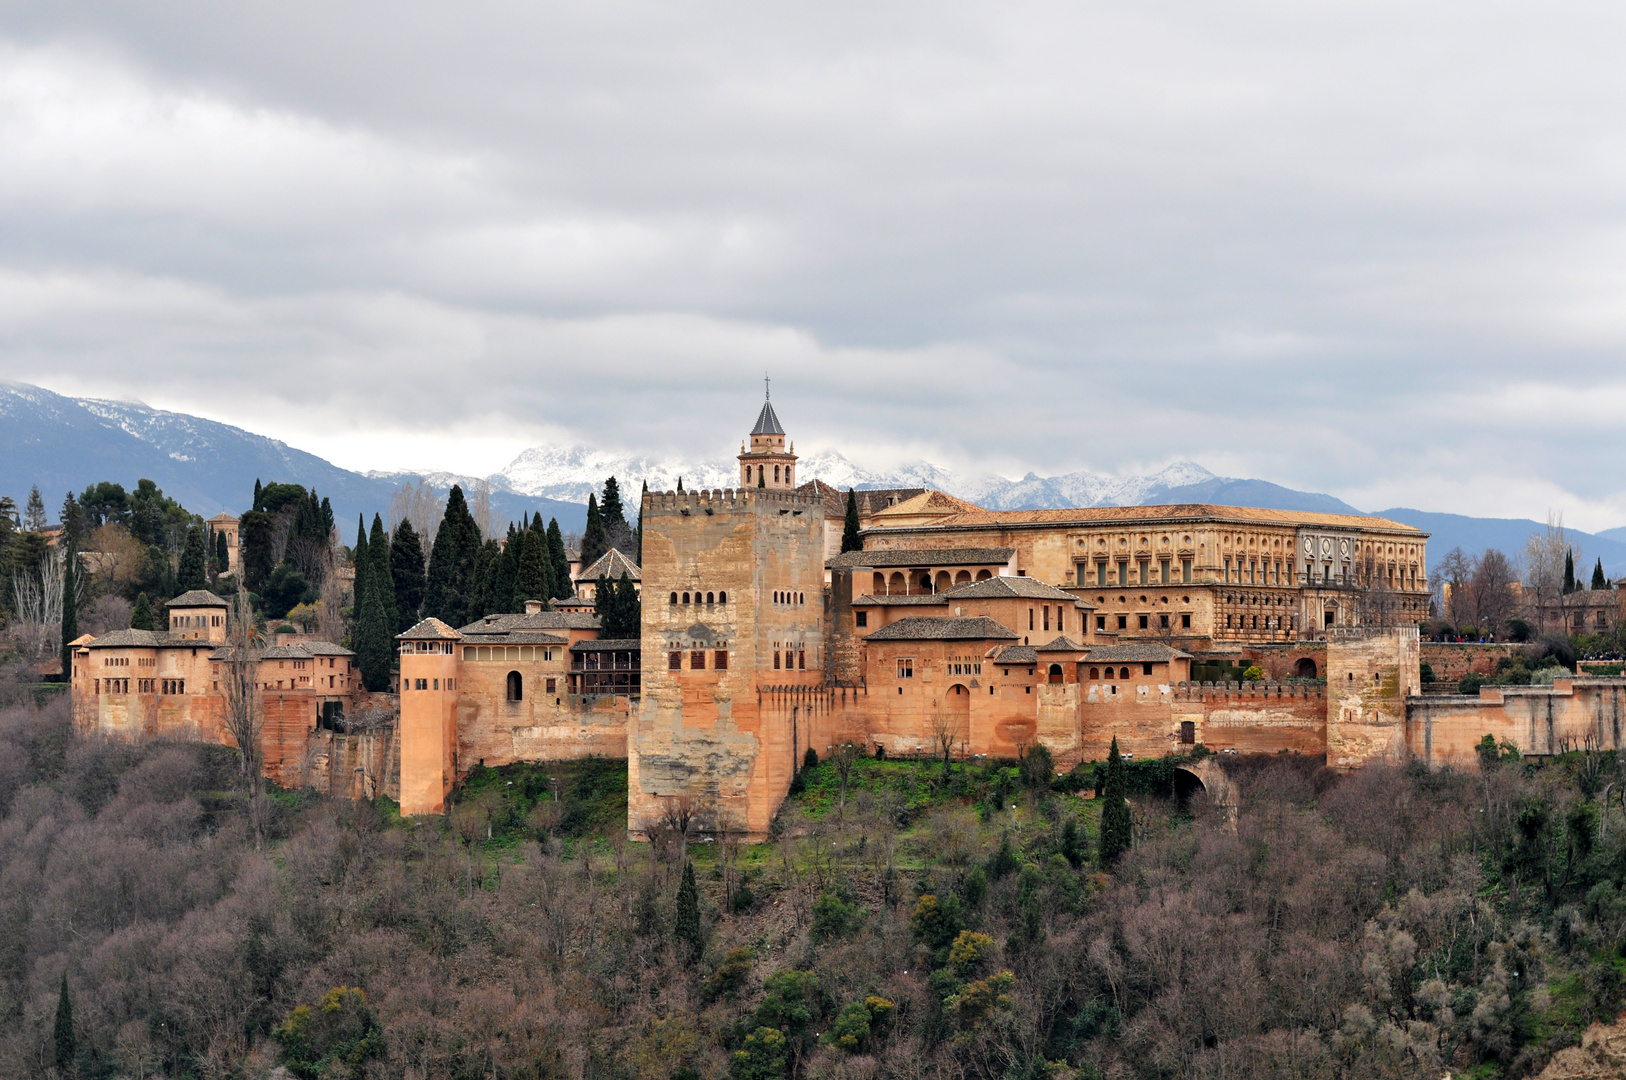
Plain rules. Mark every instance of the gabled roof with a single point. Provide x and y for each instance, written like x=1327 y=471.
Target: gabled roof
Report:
x=197 y=598
x=542 y=620
x=923 y=557
x=81 y=641
x=430 y=629
x=1005 y=588
x=1147 y=652
x=767 y=421
x=1018 y=654
x=917 y=628
x=917 y=600
x=870 y=500
x=1063 y=644
x=931 y=504
x=573 y=603
x=139 y=639
x=612 y=564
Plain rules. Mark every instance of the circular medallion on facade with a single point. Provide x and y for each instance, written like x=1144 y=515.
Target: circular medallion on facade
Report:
x=1309 y=546
x=1326 y=545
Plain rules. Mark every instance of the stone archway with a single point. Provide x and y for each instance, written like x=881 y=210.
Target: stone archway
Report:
x=1305 y=668
x=1207 y=776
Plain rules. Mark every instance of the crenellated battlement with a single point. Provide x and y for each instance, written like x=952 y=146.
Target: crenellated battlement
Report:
x=717 y=500
x=1248 y=691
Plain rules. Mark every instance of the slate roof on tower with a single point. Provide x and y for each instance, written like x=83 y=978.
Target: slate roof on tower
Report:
x=611 y=564
x=198 y=598
x=767 y=421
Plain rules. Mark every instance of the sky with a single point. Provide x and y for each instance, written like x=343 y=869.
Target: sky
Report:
x=1371 y=249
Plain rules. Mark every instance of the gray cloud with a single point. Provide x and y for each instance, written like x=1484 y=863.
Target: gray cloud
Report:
x=1369 y=249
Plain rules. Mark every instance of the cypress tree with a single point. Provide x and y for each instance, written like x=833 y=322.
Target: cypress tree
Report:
x=70 y=611
x=258 y=496
x=545 y=553
x=533 y=580
x=328 y=524
x=604 y=605
x=629 y=610
x=1569 y=571
x=372 y=642
x=381 y=576
x=594 y=543
x=562 y=586
x=141 y=614
x=849 y=531
x=486 y=558
x=222 y=553
x=194 y=568
x=686 y=926
x=406 y=572
x=362 y=563
x=67 y=1046
x=1598 y=580
x=451 y=586
x=1116 y=831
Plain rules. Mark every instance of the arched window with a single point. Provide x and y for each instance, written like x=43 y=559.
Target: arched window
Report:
x=896 y=584
x=685 y=598
x=1095 y=673
x=776 y=474
x=515 y=686
x=962 y=577
x=983 y=575
x=722 y=598
x=1123 y=673
x=880 y=584
x=1055 y=675
x=710 y=600
x=674 y=598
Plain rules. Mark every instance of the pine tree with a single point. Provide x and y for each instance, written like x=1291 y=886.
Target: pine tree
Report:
x=70 y=610
x=406 y=571
x=532 y=582
x=141 y=614
x=1116 y=831
x=560 y=559
x=1598 y=580
x=849 y=532
x=222 y=553
x=34 y=514
x=594 y=543
x=67 y=1046
x=194 y=569
x=686 y=926
x=381 y=576
x=360 y=560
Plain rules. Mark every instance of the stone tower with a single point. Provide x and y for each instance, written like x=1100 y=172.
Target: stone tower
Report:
x=769 y=464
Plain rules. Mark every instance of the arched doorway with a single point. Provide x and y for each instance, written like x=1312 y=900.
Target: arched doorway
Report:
x=1304 y=669
x=515 y=686
x=1187 y=784
x=1056 y=678
x=953 y=717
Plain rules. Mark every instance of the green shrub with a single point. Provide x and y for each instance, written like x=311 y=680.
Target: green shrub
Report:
x=730 y=975
x=935 y=924
x=764 y=1055
x=969 y=951
x=834 y=917
x=1470 y=683
x=337 y=1037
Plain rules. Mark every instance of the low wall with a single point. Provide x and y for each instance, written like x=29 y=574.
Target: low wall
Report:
x=1539 y=720
x=1450 y=660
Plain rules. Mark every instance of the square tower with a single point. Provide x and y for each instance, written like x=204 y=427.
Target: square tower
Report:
x=733 y=651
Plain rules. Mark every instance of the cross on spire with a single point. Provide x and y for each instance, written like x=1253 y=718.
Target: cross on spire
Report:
x=766 y=395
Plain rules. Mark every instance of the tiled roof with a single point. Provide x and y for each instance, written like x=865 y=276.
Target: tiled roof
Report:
x=516 y=637
x=767 y=421
x=922 y=557
x=1148 y=652
x=613 y=564
x=197 y=598
x=325 y=648
x=978 y=518
x=138 y=639
x=299 y=650
x=916 y=628
x=919 y=599
x=1063 y=644
x=430 y=629
x=608 y=645
x=573 y=603
x=1018 y=654
x=998 y=588
x=81 y=640
x=870 y=500
x=542 y=620
x=927 y=502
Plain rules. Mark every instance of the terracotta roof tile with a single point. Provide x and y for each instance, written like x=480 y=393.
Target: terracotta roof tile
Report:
x=430 y=629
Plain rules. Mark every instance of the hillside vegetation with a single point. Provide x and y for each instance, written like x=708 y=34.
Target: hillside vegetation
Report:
x=1389 y=923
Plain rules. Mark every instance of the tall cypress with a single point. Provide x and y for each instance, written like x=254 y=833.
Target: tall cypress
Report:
x=67 y=1045
x=328 y=524
x=1116 y=831
x=372 y=642
x=1569 y=571
x=686 y=926
x=381 y=575
x=562 y=586
x=406 y=572
x=70 y=611
x=1598 y=580
x=604 y=605
x=849 y=533
x=451 y=584
x=360 y=560
x=628 y=609
x=194 y=572
x=594 y=543
x=532 y=580
x=222 y=553
x=141 y=614
x=258 y=496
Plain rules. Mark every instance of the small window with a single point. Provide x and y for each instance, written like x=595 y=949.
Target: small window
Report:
x=776 y=659
x=720 y=660
x=674 y=598
x=685 y=598
x=1146 y=669
x=861 y=618
x=710 y=599
x=1123 y=673
x=722 y=598
x=553 y=686
x=1143 y=622
x=1185 y=621
x=674 y=661
x=906 y=667
x=1123 y=622
x=516 y=686
x=1095 y=673
x=697 y=660
x=1100 y=622
x=801 y=660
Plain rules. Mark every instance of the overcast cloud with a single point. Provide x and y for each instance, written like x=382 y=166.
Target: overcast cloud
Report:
x=1374 y=249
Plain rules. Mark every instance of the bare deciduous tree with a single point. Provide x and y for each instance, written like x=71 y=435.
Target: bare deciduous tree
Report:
x=1544 y=568
x=418 y=504
x=945 y=732
x=245 y=715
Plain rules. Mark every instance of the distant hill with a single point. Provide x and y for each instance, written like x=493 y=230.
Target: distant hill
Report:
x=62 y=444
x=1508 y=535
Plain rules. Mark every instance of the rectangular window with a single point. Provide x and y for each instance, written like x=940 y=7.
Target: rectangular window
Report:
x=861 y=618
x=720 y=661
x=1188 y=732
x=1145 y=572
x=801 y=660
x=1030 y=618
x=1061 y=619
x=1123 y=573
x=1163 y=570
x=1185 y=570
x=674 y=661
x=553 y=686
x=697 y=660
x=1146 y=669
x=776 y=659
x=1143 y=621
x=1162 y=622
x=906 y=667
x=1047 y=616
x=1100 y=622
x=1123 y=622
x=1081 y=575
x=437 y=684
x=1185 y=621
x=1101 y=573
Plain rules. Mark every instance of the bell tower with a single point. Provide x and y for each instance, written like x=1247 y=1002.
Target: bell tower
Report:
x=769 y=463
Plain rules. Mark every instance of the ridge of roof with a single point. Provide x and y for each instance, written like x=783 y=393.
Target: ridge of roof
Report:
x=1141 y=652
x=1025 y=587
x=430 y=629
x=1062 y=643
x=977 y=517
x=605 y=564
x=925 y=628
x=198 y=598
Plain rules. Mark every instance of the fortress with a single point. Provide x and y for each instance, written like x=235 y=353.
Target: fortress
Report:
x=955 y=629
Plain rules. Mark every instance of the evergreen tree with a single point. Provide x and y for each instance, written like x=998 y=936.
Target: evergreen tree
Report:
x=194 y=569
x=604 y=605
x=1116 y=832
x=535 y=572
x=686 y=926
x=1569 y=571
x=73 y=520
x=849 y=532
x=487 y=559
x=406 y=571
x=372 y=642
x=67 y=1046
x=628 y=609
x=34 y=514
x=1598 y=580
x=258 y=495
x=560 y=559
x=360 y=560
x=70 y=610
x=381 y=576
x=141 y=614
x=254 y=552
x=222 y=553
x=594 y=543
x=451 y=585
x=328 y=524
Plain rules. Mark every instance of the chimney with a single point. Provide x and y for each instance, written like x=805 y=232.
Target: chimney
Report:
x=533 y=607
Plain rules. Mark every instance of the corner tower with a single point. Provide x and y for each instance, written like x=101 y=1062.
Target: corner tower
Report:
x=770 y=463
